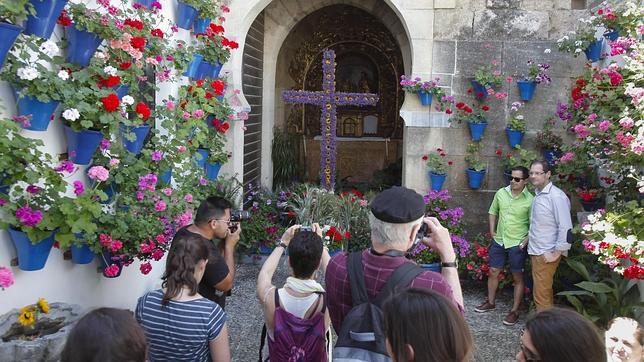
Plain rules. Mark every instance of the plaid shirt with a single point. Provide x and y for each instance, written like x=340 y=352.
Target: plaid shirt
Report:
x=377 y=270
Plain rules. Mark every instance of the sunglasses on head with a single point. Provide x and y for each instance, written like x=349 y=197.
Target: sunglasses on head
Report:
x=517 y=179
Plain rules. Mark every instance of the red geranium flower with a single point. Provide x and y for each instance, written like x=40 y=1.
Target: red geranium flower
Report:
x=111 y=102
x=229 y=43
x=218 y=86
x=125 y=66
x=460 y=105
x=347 y=235
x=143 y=111
x=448 y=111
x=485 y=108
x=63 y=19
x=208 y=95
x=425 y=158
x=111 y=81
x=199 y=84
x=136 y=24
x=449 y=163
x=467 y=109
x=499 y=152
x=157 y=32
x=215 y=28
x=138 y=43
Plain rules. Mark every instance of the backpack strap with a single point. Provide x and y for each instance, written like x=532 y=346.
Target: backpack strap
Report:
x=262 y=343
x=355 y=273
x=314 y=307
x=400 y=278
x=277 y=299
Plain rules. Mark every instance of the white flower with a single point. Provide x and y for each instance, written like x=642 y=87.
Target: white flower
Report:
x=63 y=75
x=100 y=55
x=27 y=73
x=110 y=70
x=49 y=48
x=547 y=51
x=519 y=117
x=578 y=50
x=578 y=43
x=566 y=37
x=71 y=114
x=127 y=100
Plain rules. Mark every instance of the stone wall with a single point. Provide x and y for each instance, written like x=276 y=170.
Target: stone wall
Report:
x=471 y=33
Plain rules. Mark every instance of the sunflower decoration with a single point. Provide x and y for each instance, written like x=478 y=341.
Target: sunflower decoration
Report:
x=43 y=305
x=28 y=315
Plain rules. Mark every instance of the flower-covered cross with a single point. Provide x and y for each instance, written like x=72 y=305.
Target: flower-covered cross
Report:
x=328 y=99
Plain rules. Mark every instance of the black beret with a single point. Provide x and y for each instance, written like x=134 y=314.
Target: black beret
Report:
x=398 y=205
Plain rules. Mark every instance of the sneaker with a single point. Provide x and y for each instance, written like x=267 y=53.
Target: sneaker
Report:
x=485 y=307
x=511 y=319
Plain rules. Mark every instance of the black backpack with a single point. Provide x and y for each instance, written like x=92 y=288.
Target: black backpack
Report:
x=362 y=337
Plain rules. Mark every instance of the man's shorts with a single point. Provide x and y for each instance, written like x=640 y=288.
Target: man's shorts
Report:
x=516 y=255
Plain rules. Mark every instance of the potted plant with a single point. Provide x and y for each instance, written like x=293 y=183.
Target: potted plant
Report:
x=217 y=156
x=42 y=22
x=135 y=129
x=486 y=76
x=591 y=199
x=549 y=142
x=582 y=40
x=437 y=168
x=208 y=11
x=537 y=74
x=517 y=157
x=35 y=72
x=187 y=13
x=516 y=126
x=425 y=90
x=475 y=166
x=475 y=118
x=12 y=13
x=87 y=31
x=617 y=17
x=215 y=49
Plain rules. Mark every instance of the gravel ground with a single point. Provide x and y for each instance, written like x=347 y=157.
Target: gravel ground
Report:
x=493 y=341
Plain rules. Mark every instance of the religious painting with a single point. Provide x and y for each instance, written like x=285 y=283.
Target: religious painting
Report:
x=356 y=73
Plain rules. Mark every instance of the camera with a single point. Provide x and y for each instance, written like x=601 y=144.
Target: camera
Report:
x=422 y=232
x=303 y=228
x=239 y=215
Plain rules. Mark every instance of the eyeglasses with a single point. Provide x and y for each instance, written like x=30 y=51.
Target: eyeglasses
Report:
x=517 y=179
x=536 y=173
x=528 y=354
x=227 y=222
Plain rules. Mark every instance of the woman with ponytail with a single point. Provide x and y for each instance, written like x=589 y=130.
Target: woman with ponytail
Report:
x=179 y=323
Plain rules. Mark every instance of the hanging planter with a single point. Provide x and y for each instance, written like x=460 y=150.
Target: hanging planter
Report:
x=201 y=162
x=594 y=50
x=140 y=132
x=41 y=112
x=208 y=70
x=121 y=90
x=526 y=89
x=425 y=98
x=551 y=156
x=514 y=137
x=82 y=45
x=112 y=265
x=480 y=91
x=186 y=15
x=193 y=67
x=82 y=145
x=477 y=129
x=437 y=180
x=212 y=170
x=31 y=256
x=475 y=178
x=611 y=35
x=81 y=254
x=110 y=191
x=200 y=25
x=146 y=3
x=43 y=23
x=166 y=176
x=592 y=205
x=8 y=35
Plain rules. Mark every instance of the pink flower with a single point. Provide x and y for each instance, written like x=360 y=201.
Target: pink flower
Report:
x=203 y=181
x=625 y=139
x=147 y=248
x=167 y=191
x=509 y=79
x=186 y=115
x=157 y=254
x=6 y=277
x=161 y=239
x=198 y=113
x=98 y=173
x=188 y=198
x=592 y=117
x=170 y=105
x=111 y=271
x=115 y=246
x=114 y=162
x=184 y=219
x=627 y=122
x=29 y=217
x=33 y=189
x=3 y=202
x=65 y=166
x=140 y=195
x=78 y=188
x=145 y=268
x=604 y=125
x=105 y=144
x=581 y=131
x=242 y=116
x=160 y=206
x=568 y=156
x=500 y=95
x=181 y=149
x=157 y=156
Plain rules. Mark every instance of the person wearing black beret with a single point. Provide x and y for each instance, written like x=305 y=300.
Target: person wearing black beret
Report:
x=395 y=218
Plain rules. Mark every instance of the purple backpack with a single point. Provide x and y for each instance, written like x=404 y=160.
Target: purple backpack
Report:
x=297 y=339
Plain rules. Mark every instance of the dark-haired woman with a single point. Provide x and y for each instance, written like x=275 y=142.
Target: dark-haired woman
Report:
x=422 y=325
x=105 y=335
x=558 y=334
x=179 y=323
x=296 y=315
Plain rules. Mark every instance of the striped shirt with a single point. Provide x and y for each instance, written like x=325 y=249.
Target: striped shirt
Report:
x=550 y=221
x=179 y=331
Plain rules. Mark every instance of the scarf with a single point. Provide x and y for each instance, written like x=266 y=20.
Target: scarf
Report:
x=303 y=285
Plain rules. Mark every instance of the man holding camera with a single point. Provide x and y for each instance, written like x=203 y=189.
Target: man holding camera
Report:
x=396 y=216
x=213 y=221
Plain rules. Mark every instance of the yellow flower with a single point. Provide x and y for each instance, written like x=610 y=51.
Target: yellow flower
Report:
x=26 y=317
x=43 y=305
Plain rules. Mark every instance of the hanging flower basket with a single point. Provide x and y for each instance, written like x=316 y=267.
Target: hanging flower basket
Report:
x=480 y=91
x=212 y=170
x=186 y=15
x=201 y=162
x=121 y=90
x=141 y=132
x=425 y=98
x=41 y=112
x=81 y=254
x=594 y=50
x=611 y=35
x=208 y=70
x=43 y=23
x=82 y=145
x=193 y=67
x=112 y=265
x=8 y=35
x=514 y=137
x=146 y=3
x=200 y=25
x=477 y=130
x=166 y=176
x=82 y=45
x=551 y=156
x=475 y=178
x=526 y=89
x=437 y=180
x=31 y=256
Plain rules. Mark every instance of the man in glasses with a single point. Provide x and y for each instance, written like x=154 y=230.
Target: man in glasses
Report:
x=509 y=218
x=550 y=227
x=212 y=223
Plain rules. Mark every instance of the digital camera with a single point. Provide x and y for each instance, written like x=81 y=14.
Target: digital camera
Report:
x=239 y=215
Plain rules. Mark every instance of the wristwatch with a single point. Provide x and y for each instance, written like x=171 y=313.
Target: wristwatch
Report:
x=281 y=243
x=451 y=264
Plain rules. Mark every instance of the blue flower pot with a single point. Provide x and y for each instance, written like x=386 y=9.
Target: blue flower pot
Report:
x=208 y=70
x=41 y=113
x=204 y=155
x=200 y=25
x=186 y=15
x=110 y=191
x=612 y=35
x=480 y=91
x=146 y=3
x=437 y=180
x=81 y=254
x=435 y=267
x=141 y=132
x=475 y=178
x=47 y=12
x=166 y=177
x=8 y=35
x=121 y=90
x=477 y=130
x=514 y=137
x=31 y=256
x=594 y=50
x=82 y=145
x=4 y=189
x=82 y=46
x=551 y=156
x=212 y=170
x=334 y=252
x=106 y=259
x=221 y=97
x=193 y=67
x=526 y=89
x=425 y=98
x=592 y=205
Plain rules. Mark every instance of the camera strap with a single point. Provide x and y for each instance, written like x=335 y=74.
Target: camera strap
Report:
x=391 y=253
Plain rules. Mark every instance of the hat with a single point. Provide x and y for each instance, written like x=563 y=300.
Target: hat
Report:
x=398 y=205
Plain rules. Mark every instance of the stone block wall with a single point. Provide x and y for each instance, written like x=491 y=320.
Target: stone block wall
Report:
x=467 y=35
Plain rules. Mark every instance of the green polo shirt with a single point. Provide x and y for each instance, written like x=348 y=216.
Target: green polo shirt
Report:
x=513 y=216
